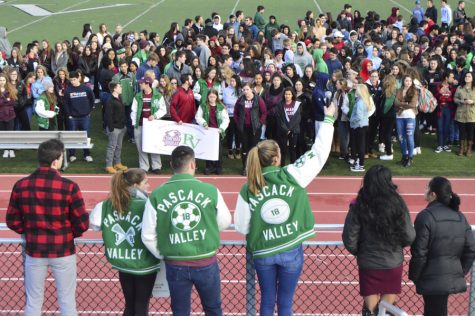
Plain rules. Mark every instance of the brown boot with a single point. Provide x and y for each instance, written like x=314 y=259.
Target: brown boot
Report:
x=469 y=149
x=462 y=147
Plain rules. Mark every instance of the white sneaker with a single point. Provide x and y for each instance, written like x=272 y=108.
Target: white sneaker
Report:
x=72 y=159
x=89 y=159
x=419 y=152
x=386 y=157
x=12 y=154
x=6 y=153
x=381 y=147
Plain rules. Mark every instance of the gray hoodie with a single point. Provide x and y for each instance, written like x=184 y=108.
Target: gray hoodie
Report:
x=304 y=59
x=5 y=45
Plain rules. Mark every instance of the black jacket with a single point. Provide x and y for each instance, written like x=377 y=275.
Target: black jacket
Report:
x=115 y=114
x=443 y=251
x=372 y=252
x=283 y=124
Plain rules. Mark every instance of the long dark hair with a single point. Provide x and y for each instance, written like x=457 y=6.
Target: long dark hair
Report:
x=379 y=206
x=443 y=190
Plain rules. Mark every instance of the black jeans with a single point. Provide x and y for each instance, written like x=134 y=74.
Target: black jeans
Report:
x=374 y=123
x=358 y=143
x=137 y=291
x=7 y=125
x=435 y=305
x=387 y=127
x=232 y=135
x=248 y=140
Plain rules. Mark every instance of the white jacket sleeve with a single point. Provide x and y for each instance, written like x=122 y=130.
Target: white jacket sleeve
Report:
x=162 y=109
x=223 y=216
x=225 y=122
x=42 y=112
x=242 y=216
x=196 y=92
x=305 y=168
x=199 y=117
x=133 y=113
x=95 y=217
x=149 y=229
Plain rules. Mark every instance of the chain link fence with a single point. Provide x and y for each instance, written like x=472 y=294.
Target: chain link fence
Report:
x=328 y=285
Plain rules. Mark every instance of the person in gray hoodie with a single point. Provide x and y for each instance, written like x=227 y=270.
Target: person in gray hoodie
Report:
x=302 y=57
x=5 y=45
x=179 y=67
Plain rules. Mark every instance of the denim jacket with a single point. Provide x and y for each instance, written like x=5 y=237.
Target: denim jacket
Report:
x=359 y=116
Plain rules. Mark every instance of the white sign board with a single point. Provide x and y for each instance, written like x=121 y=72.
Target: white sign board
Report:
x=161 y=137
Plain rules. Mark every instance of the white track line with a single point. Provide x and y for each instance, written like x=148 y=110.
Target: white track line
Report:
x=401 y=6
x=318 y=6
x=44 y=18
x=143 y=13
x=234 y=8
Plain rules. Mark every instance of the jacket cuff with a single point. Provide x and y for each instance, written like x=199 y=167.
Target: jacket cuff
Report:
x=329 y=119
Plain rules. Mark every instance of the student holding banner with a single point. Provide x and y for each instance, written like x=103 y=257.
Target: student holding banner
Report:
x=120 y=220
x=213 y=113
x=148 y=104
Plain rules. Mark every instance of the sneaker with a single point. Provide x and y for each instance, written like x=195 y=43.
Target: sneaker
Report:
x=96 y=101
x=341 y=157
x=386 y=157
x=88 y=159
x=357 y=168
x=132 y=140
x=156 y=171
x=438 y=150
x=120 y=167
x=419 y=151
x=243 y=172
x=350 y=161
x=6 y=153
x=72 y=159
x=111 y=170
x=381 y=147
x=230 y=154
x=237 y=155
x=12 y=154
x=207 y=171
x=446 y=149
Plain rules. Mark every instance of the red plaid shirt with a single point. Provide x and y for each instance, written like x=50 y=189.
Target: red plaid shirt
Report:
x=49 y=210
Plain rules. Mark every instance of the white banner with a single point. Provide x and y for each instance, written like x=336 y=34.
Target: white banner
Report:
x=161 y=137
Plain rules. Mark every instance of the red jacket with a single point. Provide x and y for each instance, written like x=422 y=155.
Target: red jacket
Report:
x=182 y=106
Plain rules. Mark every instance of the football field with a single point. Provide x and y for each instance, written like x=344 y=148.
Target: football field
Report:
x=55 y=20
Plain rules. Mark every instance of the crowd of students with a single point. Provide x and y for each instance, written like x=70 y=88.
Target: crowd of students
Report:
x=376 y=70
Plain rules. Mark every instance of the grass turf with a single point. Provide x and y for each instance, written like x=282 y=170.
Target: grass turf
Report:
x=157 y=16
x=427 y=164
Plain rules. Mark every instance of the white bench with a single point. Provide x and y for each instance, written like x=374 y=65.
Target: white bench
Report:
x=33 y=139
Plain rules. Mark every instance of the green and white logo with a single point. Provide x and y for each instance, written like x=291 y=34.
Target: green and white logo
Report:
x=185 y=216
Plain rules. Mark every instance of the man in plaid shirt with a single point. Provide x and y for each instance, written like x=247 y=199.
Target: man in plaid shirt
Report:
x=49 y=210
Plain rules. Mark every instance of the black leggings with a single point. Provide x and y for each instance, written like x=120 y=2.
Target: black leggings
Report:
x=358 y=143
x=387 y=127
x=288 y=147
x=466 y=131
x=435 y=305
x=232 y=135
x=137 y=291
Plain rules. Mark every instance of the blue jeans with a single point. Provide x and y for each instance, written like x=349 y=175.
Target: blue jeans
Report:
x=405 y=133
x=79 y=124
x=207 y=282
x=443 y=125
x=344 y=137
x=278 y=277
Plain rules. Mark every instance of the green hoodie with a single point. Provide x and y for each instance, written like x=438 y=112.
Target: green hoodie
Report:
x=320 y=64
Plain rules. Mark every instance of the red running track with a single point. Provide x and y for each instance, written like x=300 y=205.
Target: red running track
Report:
x=329 y=196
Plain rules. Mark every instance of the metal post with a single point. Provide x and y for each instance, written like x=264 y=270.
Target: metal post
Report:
x=250 y=286
x=471 y=305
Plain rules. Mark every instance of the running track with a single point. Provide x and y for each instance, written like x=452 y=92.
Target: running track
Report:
x=329 y=196
x=329 y=199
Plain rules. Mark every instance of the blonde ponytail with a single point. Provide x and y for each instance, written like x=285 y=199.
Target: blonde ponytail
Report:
x=259 y=157
x=121 y=181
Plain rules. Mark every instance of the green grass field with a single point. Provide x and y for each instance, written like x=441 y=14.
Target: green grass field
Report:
x=156 y=16
x=70 y=15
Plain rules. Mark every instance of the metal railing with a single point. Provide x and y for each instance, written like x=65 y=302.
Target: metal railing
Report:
x=328 y=285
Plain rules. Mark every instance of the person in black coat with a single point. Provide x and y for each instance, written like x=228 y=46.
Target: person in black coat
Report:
x=288 y=115
x=377 y=228
x=444 y=248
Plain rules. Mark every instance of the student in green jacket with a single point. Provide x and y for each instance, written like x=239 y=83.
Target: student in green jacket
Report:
x=182 y=221
x=120 y=220
x=46 y=108
x=273 y=211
